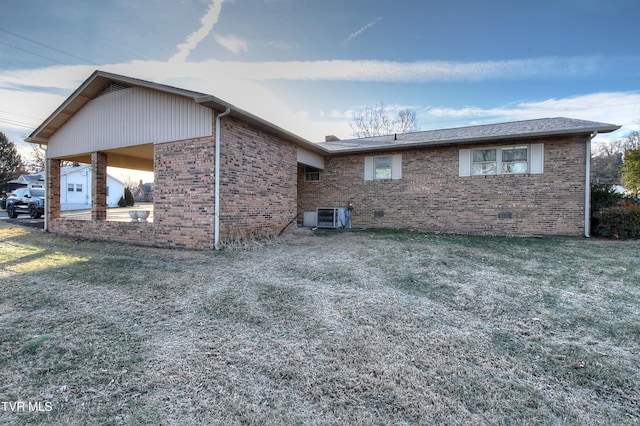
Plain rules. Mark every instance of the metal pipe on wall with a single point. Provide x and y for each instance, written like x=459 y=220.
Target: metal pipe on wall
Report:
x=216 y=214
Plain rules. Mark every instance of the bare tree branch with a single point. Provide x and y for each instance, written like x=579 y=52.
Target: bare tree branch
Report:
x=375 y=121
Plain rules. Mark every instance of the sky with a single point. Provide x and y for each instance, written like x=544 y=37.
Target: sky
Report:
x=308 y=65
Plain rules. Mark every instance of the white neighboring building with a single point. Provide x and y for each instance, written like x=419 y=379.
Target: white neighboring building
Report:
x=75 y=188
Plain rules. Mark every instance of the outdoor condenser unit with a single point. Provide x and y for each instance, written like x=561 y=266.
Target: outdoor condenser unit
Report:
x=335 y=217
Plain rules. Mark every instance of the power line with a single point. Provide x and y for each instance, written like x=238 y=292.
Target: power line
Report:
x=45 y=46
x=30 y=52
x=20 y=115
x=17 y=124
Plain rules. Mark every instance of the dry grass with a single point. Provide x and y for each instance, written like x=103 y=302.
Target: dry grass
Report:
x=323 y=328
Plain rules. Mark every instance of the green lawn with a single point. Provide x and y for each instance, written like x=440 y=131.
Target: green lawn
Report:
x=363 y=327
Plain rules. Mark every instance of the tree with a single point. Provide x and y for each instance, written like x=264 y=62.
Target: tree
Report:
x=10 y=161
x=375 y=121
x=631 y=172
x=37 y=161
x=606 y=161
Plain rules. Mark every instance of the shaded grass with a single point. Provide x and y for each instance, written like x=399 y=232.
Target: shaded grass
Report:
x=379 y=327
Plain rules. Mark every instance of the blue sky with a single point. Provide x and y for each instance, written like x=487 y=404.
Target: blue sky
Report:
x=308 y=65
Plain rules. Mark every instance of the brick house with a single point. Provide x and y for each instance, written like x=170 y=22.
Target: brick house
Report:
x=520 y=178
x=526 y=178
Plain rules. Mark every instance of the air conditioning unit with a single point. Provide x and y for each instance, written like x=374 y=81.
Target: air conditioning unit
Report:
x=333 y=217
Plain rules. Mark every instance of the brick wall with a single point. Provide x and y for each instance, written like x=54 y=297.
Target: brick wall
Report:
x=143 y=234
x=183 y=193
x=258 y=192
x=431 y=196
x=52 y=204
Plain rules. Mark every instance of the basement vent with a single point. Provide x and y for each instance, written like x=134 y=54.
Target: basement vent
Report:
x=505 y=215
x=111 y=87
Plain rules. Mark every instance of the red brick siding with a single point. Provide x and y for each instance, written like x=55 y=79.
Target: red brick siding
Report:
x=431 y=196
x=258 y=186
x=52 y=204
x=258 y=192
x=99 y=185
x=183 y=193
x=143 y=234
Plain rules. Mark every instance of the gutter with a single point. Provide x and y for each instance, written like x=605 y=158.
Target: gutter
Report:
x=587 y=187
x=216 y=214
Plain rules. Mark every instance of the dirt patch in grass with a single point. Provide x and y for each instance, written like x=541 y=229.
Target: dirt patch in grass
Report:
x=321 y=328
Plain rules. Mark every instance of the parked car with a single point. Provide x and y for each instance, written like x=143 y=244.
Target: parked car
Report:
x=26 y=201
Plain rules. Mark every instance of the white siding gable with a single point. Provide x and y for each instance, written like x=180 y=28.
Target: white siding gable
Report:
x=128 y=117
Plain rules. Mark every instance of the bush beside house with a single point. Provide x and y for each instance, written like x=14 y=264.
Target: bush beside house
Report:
x=614 y=215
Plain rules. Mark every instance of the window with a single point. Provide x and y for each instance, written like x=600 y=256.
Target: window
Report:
x=515 y=160
x=70 y=187
x=383 y=167
x=78 y=187
x=311 y=174
x=484 y=162
x=502 y=160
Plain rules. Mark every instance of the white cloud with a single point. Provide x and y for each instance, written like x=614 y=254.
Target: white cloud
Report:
x=232 y=43
x=36 y=93
x=422 y=71
x=207 y=21
x=361 y=30
x=621 y=108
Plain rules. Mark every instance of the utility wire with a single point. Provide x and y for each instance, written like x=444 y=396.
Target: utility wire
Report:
x=31 y=53
x=18 y=124
x=45 y=46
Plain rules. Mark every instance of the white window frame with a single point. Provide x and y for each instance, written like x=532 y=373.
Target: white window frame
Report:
x=70 y=187
x=78 y=187
x=373 y=170
x=534 y=163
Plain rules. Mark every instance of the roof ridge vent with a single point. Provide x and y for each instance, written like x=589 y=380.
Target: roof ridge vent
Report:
x=111 y=88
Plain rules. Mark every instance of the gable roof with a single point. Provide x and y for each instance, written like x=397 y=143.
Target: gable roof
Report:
x=472 y=134
x=101 y=81
x=26 y=179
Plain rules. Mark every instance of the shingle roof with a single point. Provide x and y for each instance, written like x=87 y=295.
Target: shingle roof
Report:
x=464 y=135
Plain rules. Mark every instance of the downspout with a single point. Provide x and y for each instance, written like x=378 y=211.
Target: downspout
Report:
x=216 y=214
x=587 y=187
x=46 y=189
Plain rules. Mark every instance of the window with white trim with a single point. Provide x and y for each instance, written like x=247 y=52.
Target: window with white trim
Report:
x=383 y=167
x=311 y=174
x=78 y=187
x=70 y=187
x=517 y=159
